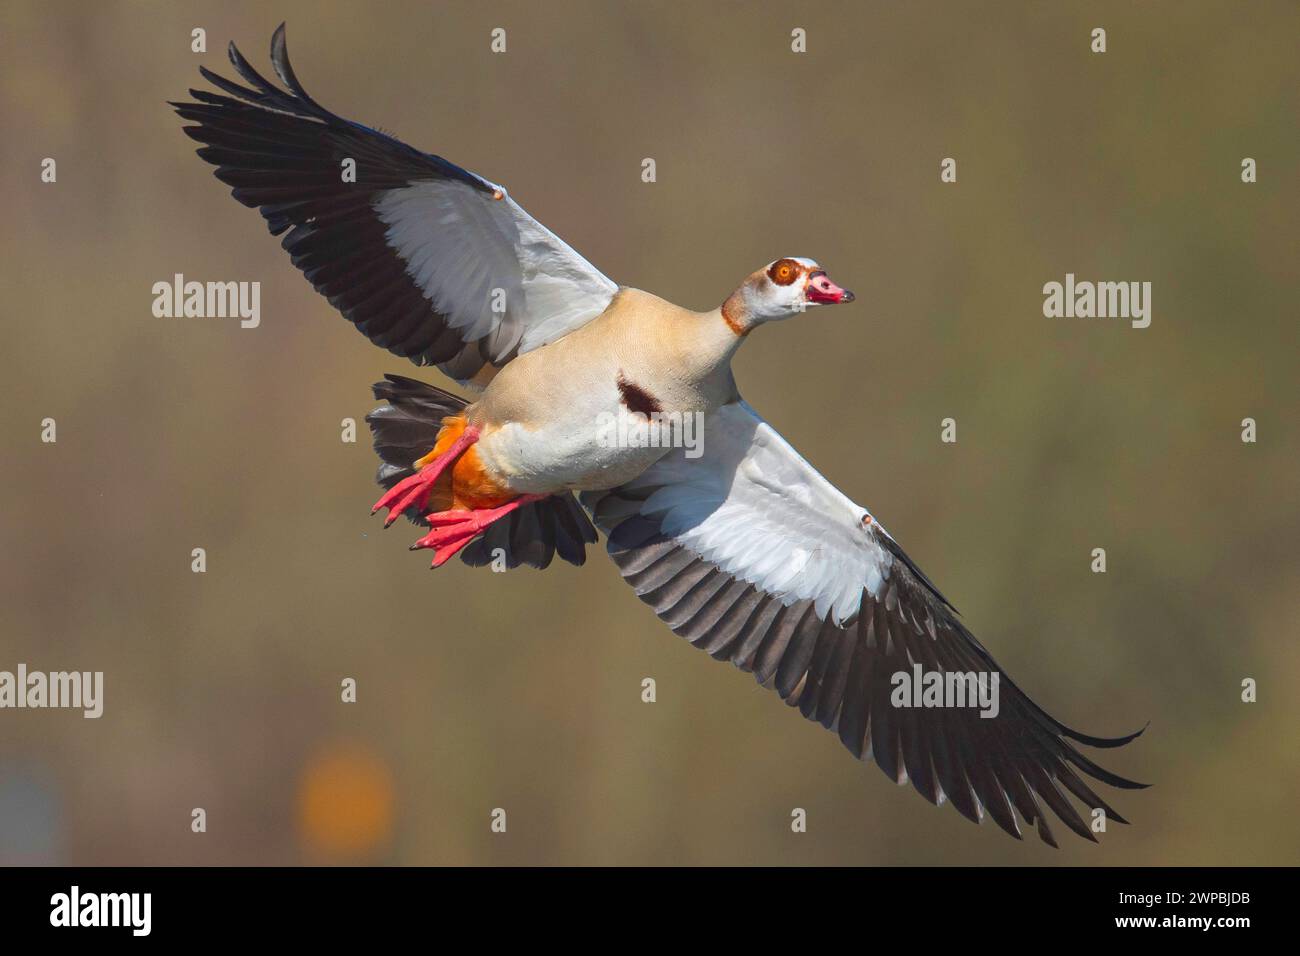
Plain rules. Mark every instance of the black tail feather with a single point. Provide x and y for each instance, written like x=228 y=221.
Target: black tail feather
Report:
x=406 y=428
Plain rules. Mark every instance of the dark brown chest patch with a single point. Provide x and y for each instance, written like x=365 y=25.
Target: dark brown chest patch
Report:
x=636 y=398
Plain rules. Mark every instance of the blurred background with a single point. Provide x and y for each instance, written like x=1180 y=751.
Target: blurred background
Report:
x=521 y=691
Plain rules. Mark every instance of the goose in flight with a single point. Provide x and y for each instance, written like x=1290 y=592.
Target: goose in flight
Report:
x=584 y=395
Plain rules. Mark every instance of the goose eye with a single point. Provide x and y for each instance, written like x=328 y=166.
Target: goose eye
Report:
x=783 y=271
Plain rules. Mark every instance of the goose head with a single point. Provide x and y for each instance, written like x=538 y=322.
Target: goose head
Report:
x=779 y=290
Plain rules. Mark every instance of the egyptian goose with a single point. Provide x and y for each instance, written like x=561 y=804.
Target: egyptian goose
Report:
x=742 y=547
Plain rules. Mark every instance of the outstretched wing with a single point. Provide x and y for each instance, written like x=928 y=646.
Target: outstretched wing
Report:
x=751 y=555
x=428 y=260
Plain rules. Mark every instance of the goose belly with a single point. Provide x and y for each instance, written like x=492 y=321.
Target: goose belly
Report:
x=578 y=451
x=575 y=414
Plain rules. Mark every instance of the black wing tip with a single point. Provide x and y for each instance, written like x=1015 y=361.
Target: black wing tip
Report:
x=279 y=45
x=280 y=57
x=1103 y=743
x=1045 y=833
x=1061 y=807
x=1043 y=830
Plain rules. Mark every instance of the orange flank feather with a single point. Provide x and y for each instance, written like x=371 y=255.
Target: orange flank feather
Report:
x=465 y=486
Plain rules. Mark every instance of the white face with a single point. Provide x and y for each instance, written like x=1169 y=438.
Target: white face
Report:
x=788 y=287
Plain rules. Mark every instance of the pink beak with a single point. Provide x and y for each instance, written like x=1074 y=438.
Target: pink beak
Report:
x=822 y=290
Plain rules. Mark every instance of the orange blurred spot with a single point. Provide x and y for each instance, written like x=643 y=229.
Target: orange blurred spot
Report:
x=345 y=803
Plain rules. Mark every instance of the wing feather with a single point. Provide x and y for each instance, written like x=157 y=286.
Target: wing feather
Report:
x=752 y=556
x=428 y=260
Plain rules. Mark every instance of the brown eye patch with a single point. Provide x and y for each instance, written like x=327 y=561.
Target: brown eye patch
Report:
x=784 y=271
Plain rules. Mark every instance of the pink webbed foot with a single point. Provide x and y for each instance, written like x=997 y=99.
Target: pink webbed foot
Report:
x=415 y=489
x=452 y=530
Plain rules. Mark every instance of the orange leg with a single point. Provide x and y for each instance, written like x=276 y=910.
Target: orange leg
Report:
x=452 y=530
